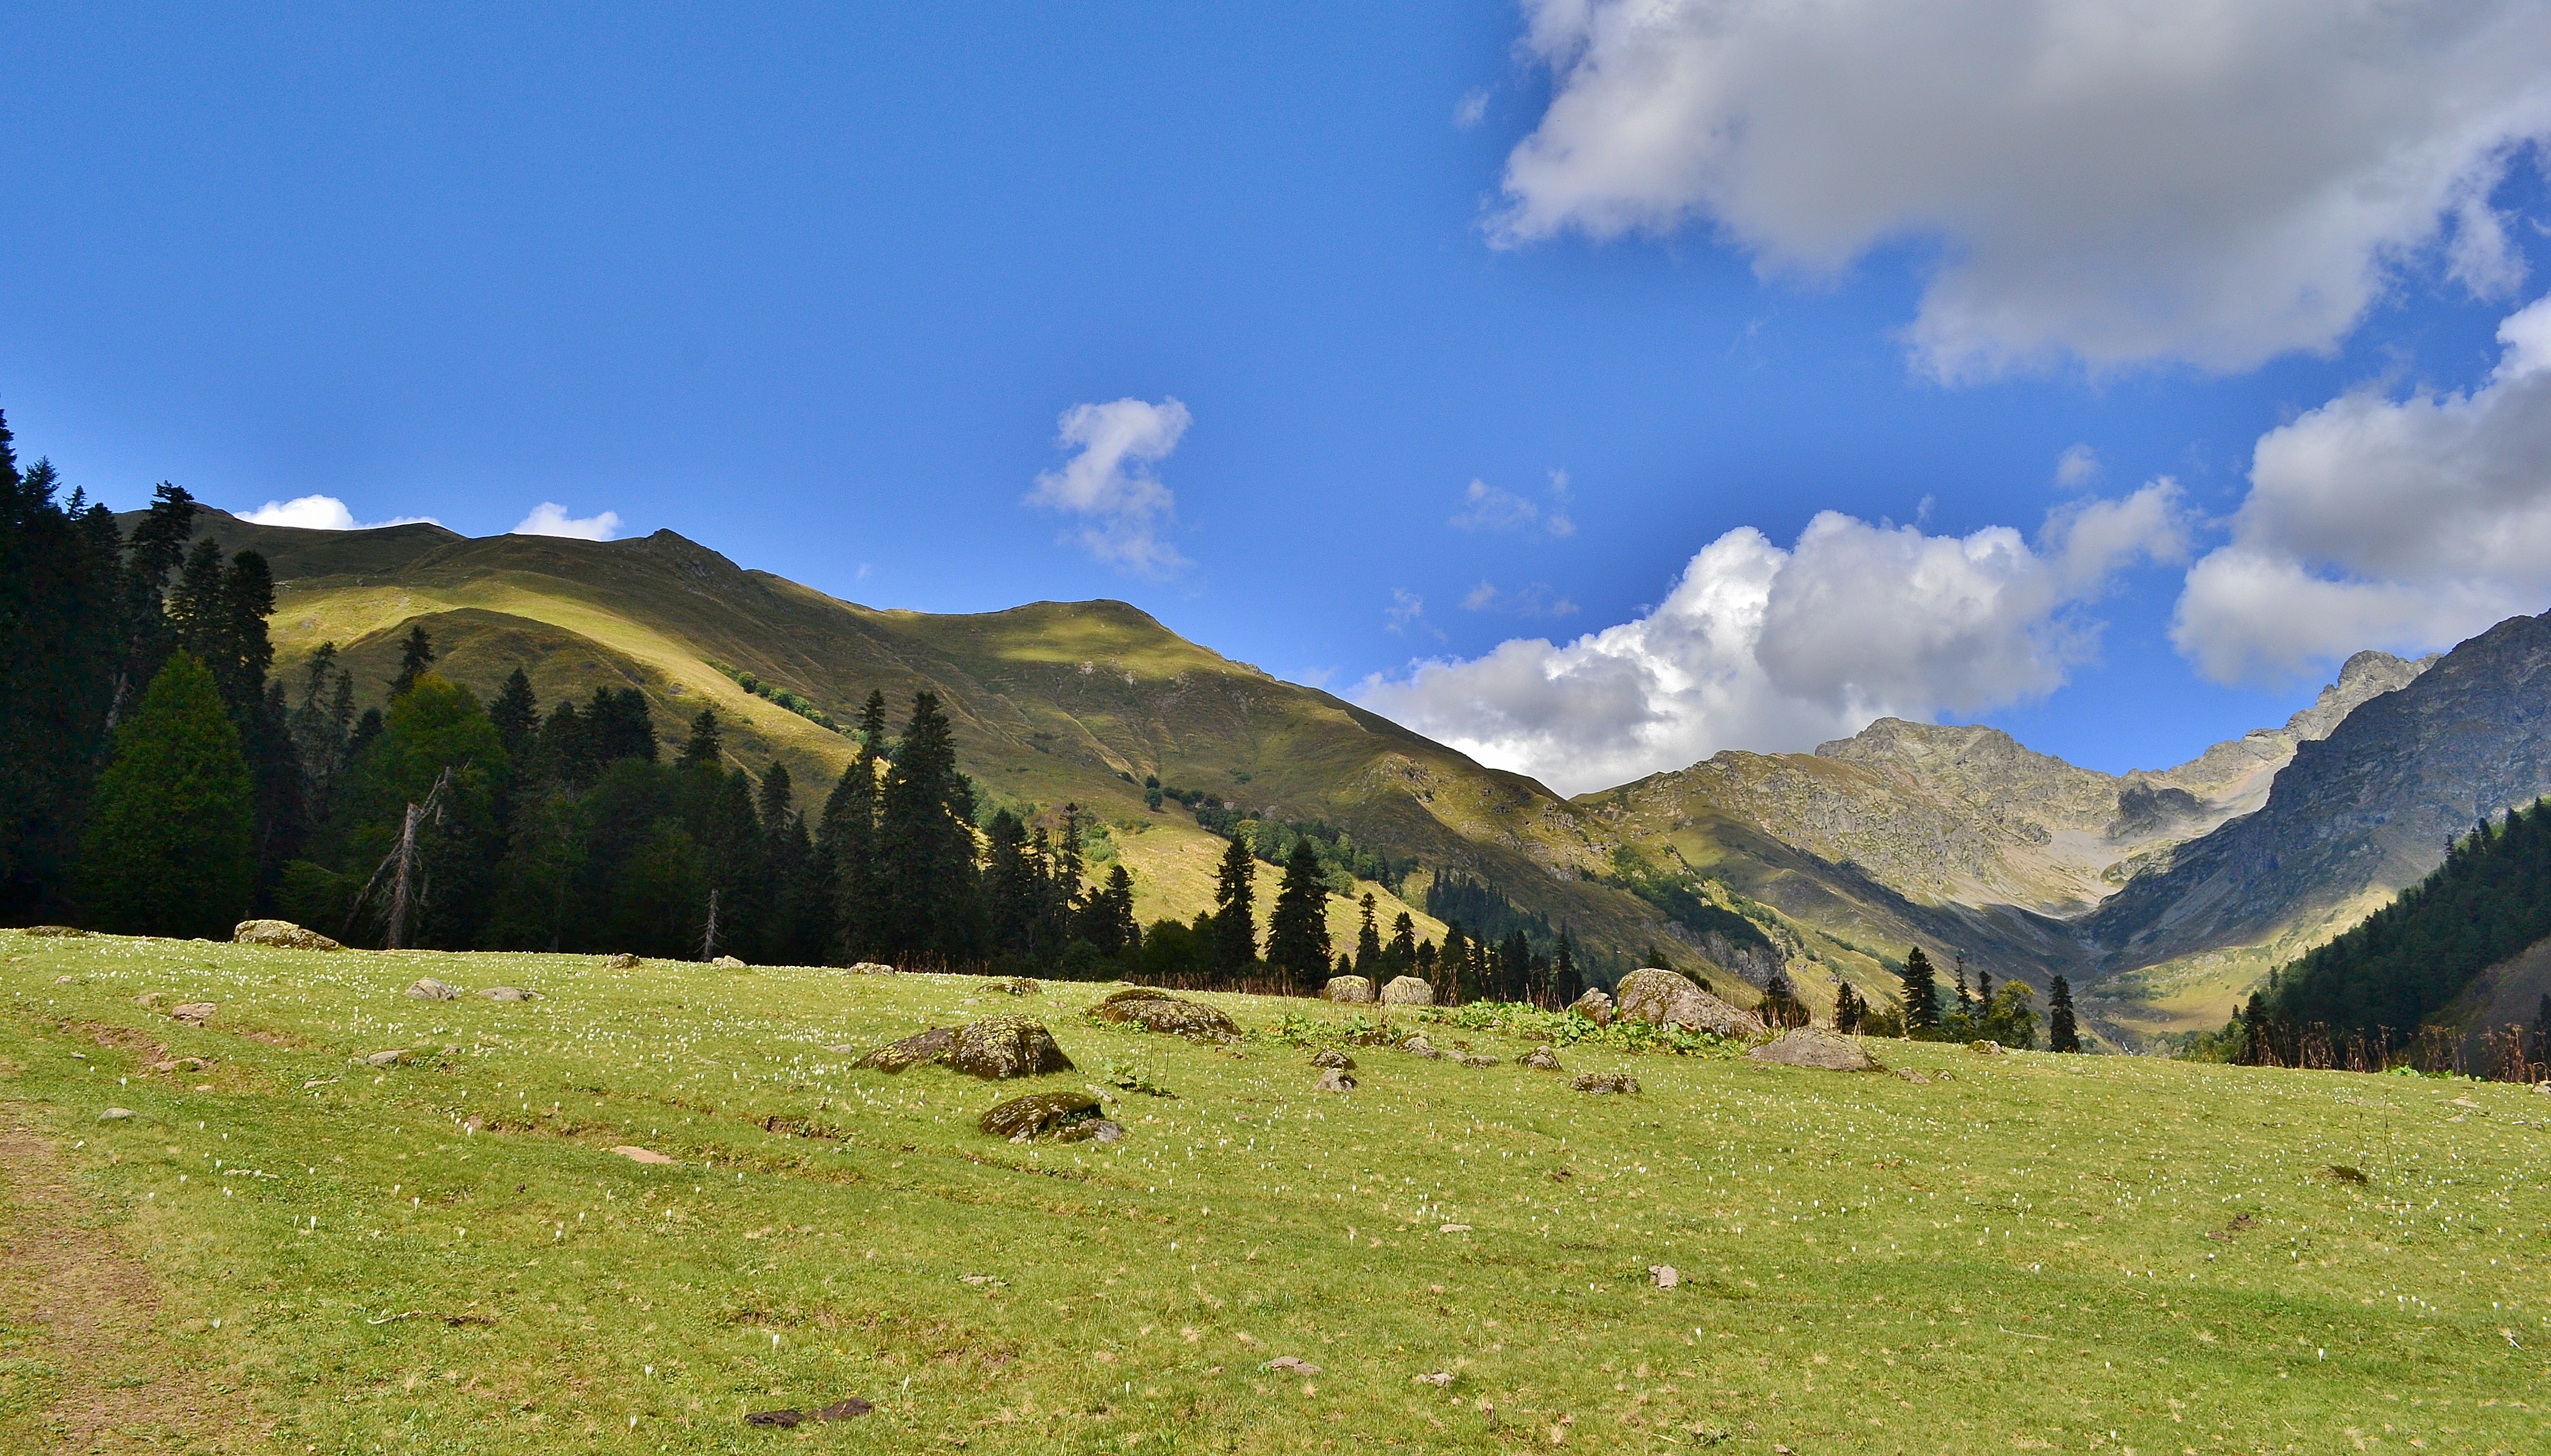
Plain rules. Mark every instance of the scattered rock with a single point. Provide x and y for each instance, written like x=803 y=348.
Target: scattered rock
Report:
x=1910 y=1074
x=1985 y=1048
x=998 y=1047
x=147 y=999
x=390 y=1058
x=728 y=962
x=872 y=968
x=1407 y=990
x=1093 y=1129
x=1542 y=1059
x=427 y=988
x=1332 y=1057
x=1605 y=1081
x=642 y=1155
x=55 y=932
x=846 y=1409
x=1472 y=1058
x=2240 y=1224
x=115 y=1114
x=1668 y=998
x=927 y=1046
x=1334 y=1080
x=194 y=1013
x=1415 y=1044
x=1595 y=1007
x=620 y=962
x=283 y=934
x=1158 y=1010
x=1814 y=1046
x=1664 y=1275
x=1024 y=1120
x=1019 y=985
x=1352 y=990
x=782 y=1419
x=2345 y=1174
x=510 y=994
x=1439 y=1379
x=1946 y=1076
x=1291 y=1364
x=180 y=1064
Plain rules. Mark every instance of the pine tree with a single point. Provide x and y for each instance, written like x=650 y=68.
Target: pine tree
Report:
x=1235 y=927
x=1368 y=951
x=847 y=837
x=1921 y=991
x=2062 y=1035
x=704 y=746
x=931 y=902
x=416 y=654
x=172 y=845
x=516 y=712
x=1567 y=982
x=1846 y=1010
x=1107 y=920
x=1401 y=954
x=1298 y=933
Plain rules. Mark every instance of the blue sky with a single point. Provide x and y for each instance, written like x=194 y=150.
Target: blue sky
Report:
x=818 y=288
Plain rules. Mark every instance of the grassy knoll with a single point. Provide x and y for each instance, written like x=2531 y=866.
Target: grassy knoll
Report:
x=318 y=1255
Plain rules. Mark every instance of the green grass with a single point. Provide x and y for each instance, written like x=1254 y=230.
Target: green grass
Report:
x=2014 y=1259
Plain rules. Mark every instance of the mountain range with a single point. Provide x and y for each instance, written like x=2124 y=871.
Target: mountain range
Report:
x=2163 y=894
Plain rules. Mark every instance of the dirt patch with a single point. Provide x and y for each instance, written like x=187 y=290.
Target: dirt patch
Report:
x=90 y=1307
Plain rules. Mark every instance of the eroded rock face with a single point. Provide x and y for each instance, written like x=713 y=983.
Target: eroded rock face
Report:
x=1352 y=990
x=1595 y=1007
x=1158 y=1010
x=427 y=988
x=1668 y=998
x=999 y=1047
x=1407 y=990
x=1814 y=1046
x=927 y=1046
x=282 y=933
x=1606 y=1081
x=1024 y=1120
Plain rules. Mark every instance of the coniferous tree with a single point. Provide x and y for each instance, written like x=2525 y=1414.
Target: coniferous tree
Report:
x=931 y=907
x=1297 y=932
x=1847 y=1008
x=2062 y=1033
x=1107 y=921
x=516 y=712
x=704 y=745
x=1368 y=951
x=1400 y=955
x=1235 y=927
x=1566 y=981
x=848 y=837
x=416 y=655
x=1921 y=991
x=171 y=845
x=1010 y=884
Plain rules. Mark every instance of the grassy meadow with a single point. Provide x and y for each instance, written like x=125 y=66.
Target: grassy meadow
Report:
x=287 y=1248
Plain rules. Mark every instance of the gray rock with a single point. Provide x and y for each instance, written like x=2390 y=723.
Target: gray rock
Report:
x=1667 y=999
x=871 y=968
x=55 y=932
x=1595 y=1007
x=1985 y=1048
x=1814 y=1046
x=1352 y=990
x=196 y=1012
x=1158 y=1010
x=1415 y=1044
x=1665 y=1275
x=115 y=1114
x=1019 y=985
x=1542 y=1059
x=927 y=1046
x=1910 y=1074
x=1472 y=1058
x=390 y=1058
x=728 y=962
x=282 y=933
x=1332 y=1057
x=1605 y=1081
x=427 y=988
x=1100 y=1130
x=1334 y=1080
x=622 y=962
x=510 y=994
x=1000 y=1047
x=1407 y=990
x=1024 y=1120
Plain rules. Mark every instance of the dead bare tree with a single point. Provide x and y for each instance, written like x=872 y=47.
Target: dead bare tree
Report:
x=410 y=888
x=708 y=938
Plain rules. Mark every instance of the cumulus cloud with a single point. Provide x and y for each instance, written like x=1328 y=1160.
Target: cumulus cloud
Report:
x=550 y=518
x=2371 y=521
x=2168 y=180
x=1484 y=507
x=323 y=513
x=1761 y=648
x=1109 y=482
x=2077 y=466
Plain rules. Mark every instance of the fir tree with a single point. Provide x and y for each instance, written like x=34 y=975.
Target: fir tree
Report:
x=171 y=841
x=416 y=655
x=1297 y=932
x=847 y=837
x=1368 y=951
x=2062 y=1035
x=930 y=906
x=516 y=712
x=1107 y=920
x=704 y=746
x=1235 y=928
x=1567 y=982
x=1921 y=991
x=1401 y=953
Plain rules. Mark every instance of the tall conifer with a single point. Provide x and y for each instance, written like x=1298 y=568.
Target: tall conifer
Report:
x=2062 y=1035
x=1235 y=925
x=1297 y=932
x=1921 y=991
x=171 y=841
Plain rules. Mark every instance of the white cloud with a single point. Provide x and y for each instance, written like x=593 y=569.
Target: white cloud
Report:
x=1111 y=483
x=1766 y=648
x=1407 y=611
x=2408 y=524
x=1472 y=109
x=1535 y=600
x=2077 y=466
x=550 y=518
x=1484 y=507
x=323 y=513
x=2120 y=183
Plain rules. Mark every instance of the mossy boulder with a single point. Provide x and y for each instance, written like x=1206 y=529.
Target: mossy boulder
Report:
x=283 y=934
x=1158 y=1010
x=1000 y=1047
x=927 y=1046
x=1024 y=1120
x=1668 y=998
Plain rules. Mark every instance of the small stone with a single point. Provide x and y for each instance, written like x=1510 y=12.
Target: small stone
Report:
x=194 y=1013
x=1019 y=985
x=642 y=1155
x=1664 y=1275
x=1351 y=991
x=1439 y=1379
x=1407 y=990
x=64 y=979
x=846 y=1409
x=115 y=1114
x=147 y=999
x=927 y=1046
x=998 y=1047
x=1542 y=1059
x=427 y=988
x=390 y=1058
x=1023 y=1119
x=620 y=962
x=1415 y=1044
x=1595 y=1007
x=1814 y=1047
x=1910 y=1074
x=281 y=934
x=1332 y=1057
x=1334 y=1080
x=1985 y=1048
x=1158 y=1010
x=871 y=968
x=509 y=994
x=1605 y=1081
x=1291 y=1364
x=1472 y=1058
x=1093 y=1129
x=728 y=962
